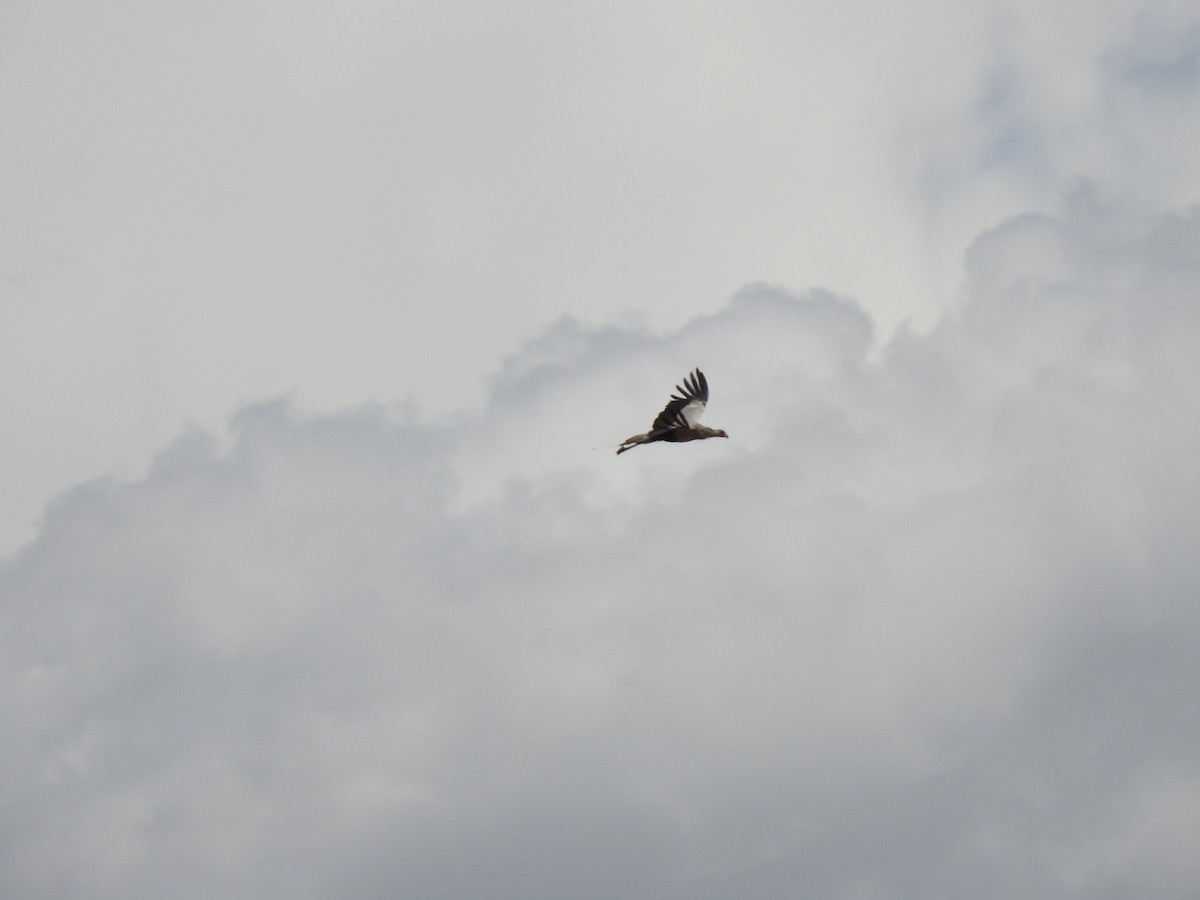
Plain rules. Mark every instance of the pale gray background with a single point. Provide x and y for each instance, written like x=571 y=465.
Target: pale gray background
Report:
x=318 y=576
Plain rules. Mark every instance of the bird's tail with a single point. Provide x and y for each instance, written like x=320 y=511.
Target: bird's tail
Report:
x=630 y=443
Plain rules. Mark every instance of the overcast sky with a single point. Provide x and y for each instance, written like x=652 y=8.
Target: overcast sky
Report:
x=319 y=577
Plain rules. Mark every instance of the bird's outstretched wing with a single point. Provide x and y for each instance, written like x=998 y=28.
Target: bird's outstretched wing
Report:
x=684 y=408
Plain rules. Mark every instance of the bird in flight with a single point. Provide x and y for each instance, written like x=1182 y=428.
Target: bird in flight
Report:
x=680 y=419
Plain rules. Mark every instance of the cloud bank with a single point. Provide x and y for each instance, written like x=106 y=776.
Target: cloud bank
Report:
x=320 y=198
x=925 y=626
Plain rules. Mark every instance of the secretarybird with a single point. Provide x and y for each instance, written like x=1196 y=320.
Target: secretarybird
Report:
x=680 y=419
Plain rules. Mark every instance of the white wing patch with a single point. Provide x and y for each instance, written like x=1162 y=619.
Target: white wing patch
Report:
x=692 y=412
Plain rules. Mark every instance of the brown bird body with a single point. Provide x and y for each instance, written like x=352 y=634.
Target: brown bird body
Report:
x=680 y=419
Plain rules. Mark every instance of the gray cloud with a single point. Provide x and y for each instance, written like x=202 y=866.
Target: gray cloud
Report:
x=379 y=200
x=925 y=626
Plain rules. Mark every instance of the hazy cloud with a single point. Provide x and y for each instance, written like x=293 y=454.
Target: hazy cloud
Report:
x=379 y=200
x=925 y=626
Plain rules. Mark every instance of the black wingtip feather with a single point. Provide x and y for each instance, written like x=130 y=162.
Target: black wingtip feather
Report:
x=694 y=385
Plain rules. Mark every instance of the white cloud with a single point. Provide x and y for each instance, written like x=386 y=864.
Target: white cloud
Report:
x=378 y=200
x=924 y=626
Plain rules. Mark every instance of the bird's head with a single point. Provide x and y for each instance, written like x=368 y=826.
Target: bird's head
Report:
x=721 y=433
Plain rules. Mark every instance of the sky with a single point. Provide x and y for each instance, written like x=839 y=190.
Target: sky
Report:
x=319 y=576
